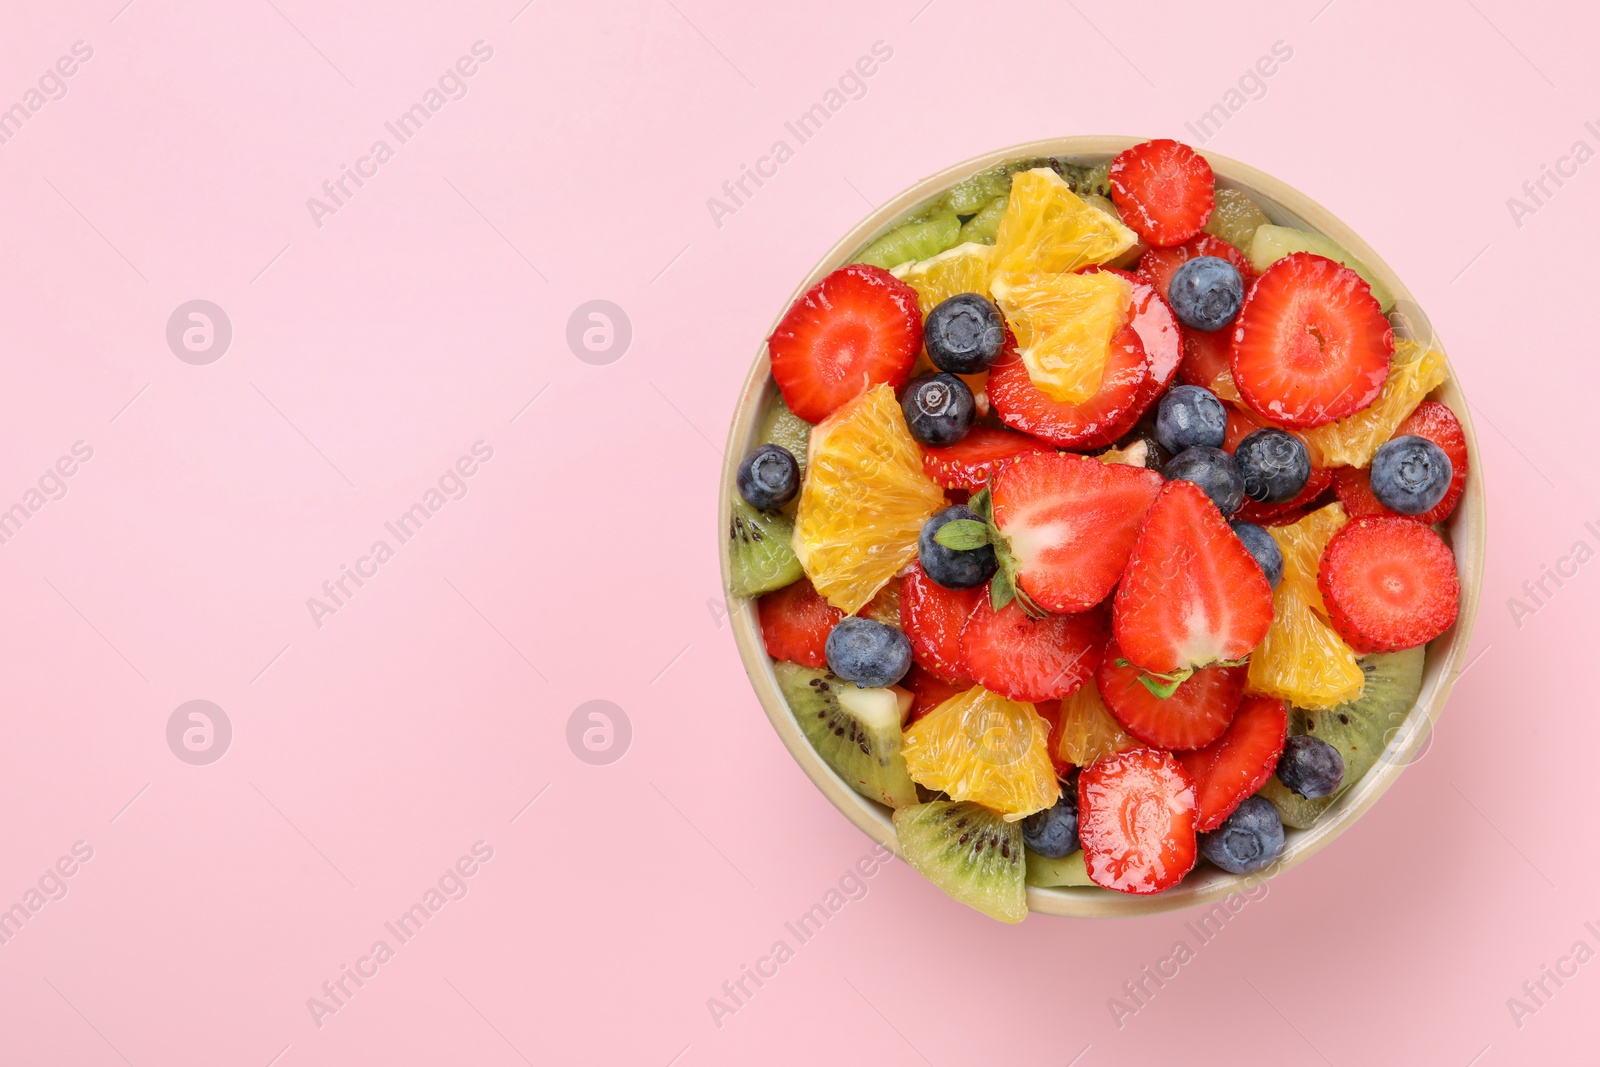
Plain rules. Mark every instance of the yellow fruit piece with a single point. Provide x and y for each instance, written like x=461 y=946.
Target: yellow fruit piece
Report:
x=979 y=746
x=1414 y=372
x=1088 y=731
x=1303 y=543
x=1064 y=324
x=885 y=607
x=962 y=269
x=863 y=501
x=1048 y=229
x=1302 y=660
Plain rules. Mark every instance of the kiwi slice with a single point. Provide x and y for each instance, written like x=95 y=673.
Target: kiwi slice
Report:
x=759 y=551
x=1235 y=218
x=1072 y=869
x=1359 y=729
x=784 y=428
x=1272 y=243
x=968 y=851
x=918 y=239
x=983 y=227
x=855 y=731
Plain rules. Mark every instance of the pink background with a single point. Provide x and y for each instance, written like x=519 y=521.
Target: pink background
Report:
x=370 y=753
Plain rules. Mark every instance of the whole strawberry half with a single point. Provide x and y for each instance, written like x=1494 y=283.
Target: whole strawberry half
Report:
x=858 y=327
x=1136 y=820
x=1192 y=715
x=1192 y=594
x=1239 y=762
x=1068 y=524
x=795 y=623
x=1034 y=659
x=1311 y=345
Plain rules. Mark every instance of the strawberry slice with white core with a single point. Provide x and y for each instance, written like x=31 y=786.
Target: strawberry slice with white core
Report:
x=1311 y=345
x=1136 y=820
x=1070 y=524
x=1192 y=594
x=858 y=327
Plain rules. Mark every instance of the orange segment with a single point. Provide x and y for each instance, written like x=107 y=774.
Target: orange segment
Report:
x=1088 y=732
x=1414 y=372
x=979 y=746
x=863 y=501
x=963 y=269
x=1048 y=229
x=1063 y=325
x=1302 y=544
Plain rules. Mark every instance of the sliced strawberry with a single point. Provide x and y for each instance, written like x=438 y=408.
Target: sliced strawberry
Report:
x=1242 y=422
x=1158 y=265
x=1389 y=583
x=1163 y=190
x=1353 y=487
x=1136 y=820
x=1270 y=514
x=1310 y=345
x=928 y=691
x=1192 y=594
x=1439 y=424
x=1050 y=712
x=795 y=623
x=858 y=327
x=932 y=617
x=1196 y=713
x=1092 y=424
x=1032 y=659
x=1239 y=762
x=1159 y=334
x=1206 y=357
x=969 y=462
x=1070 y=523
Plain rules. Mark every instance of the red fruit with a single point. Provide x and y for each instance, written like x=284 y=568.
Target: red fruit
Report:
x=1195 y=715
x=1439 y=424
x=1031 y=659
x=858 y=327
x=932 y=617
x=1050 y=712
x=969 y=462
x=1136 y=820
x=1070 y=523
x=1158 y=265
x=1192 y=594
x=1353 y=487
x=928 y=691
x=1206 y=356
x=1310 y=345
x=795 y=623
x=1242 y=422
x=1272 y=514
x=1163 y=191
x=1239 y=762
x=1092 y=424
x=1159 y=334
x=1389 y=583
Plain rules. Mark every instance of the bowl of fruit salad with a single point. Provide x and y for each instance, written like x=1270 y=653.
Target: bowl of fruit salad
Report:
x=1103 y=526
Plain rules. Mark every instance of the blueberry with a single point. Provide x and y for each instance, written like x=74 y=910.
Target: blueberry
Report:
x=1263 y=548
x=939 y=409
x=1410 y=475
x=1053 y=832
x=1274 y=464
x=1211 y=469
x=949 y=567
x=868 y=653
x=768 y=477
x=1190 y=416
x=1250 y=839
x=1310 y=766
x=963 y=334
x=1205 y=293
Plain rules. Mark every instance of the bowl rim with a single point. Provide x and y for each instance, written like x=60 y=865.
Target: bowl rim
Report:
x=1466 y=528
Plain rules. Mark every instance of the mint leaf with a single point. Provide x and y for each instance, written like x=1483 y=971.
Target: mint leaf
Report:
x=963 y=535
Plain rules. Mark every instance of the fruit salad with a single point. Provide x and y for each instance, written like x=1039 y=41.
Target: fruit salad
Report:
x=1096 y=527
